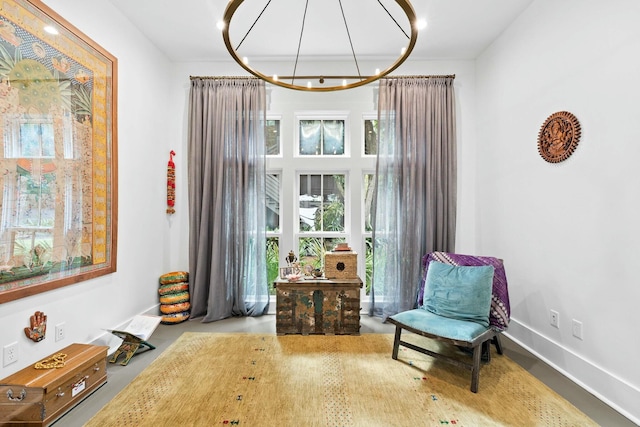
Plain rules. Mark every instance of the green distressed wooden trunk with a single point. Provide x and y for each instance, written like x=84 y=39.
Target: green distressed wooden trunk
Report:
x=330 y=307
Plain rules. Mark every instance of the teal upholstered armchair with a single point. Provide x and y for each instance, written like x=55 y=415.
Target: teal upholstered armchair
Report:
x=463 y=300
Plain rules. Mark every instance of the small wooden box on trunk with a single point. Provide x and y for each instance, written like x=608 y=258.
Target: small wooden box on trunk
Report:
x=38 y=397
x=341 y=265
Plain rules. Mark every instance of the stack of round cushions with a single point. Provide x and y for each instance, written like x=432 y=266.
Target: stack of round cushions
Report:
x=174 y=297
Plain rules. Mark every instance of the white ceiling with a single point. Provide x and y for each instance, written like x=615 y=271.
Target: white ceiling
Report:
x=186 y=30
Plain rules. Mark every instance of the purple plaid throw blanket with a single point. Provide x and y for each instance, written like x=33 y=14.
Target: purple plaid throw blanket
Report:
x=500 y=310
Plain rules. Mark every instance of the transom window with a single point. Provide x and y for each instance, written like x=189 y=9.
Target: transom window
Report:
x=272 y=137
x=321 y=137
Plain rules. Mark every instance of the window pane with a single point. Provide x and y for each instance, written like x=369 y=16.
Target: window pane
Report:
x=310 y=201
x=321 y=203
x=273 y=264
x=273 y=202
x=332 y=214
x=313 y=249
x=368 y=264
x=330 y=243
x=333 y=137
x=310 y=134
x=371 y=137
x=272 y=137
x=322 y=137
x=367 y=202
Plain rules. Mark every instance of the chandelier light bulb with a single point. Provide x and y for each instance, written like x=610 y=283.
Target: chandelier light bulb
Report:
x=309 y=85
x=220 y=25
x=275 y=77
x=245 y=60
x=421 y=24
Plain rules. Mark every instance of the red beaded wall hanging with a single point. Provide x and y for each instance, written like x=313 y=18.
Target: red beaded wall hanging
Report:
x=171 y=184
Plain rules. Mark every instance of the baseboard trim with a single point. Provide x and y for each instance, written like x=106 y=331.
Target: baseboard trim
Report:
x=606 y=386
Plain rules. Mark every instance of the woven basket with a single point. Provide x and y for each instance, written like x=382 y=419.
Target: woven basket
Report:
x=341 y=265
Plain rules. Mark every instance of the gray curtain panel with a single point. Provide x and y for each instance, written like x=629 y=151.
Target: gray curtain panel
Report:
x=227 y=241
x=415 y=194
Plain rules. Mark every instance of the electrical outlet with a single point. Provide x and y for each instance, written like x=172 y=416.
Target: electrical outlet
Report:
x=576 y=329
x=10 y=354
x=554 y=319
x=60 y=331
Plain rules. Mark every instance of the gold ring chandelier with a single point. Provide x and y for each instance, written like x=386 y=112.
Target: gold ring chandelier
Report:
x=263 y=25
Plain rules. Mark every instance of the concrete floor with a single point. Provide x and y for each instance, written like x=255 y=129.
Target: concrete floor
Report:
x=164 y=335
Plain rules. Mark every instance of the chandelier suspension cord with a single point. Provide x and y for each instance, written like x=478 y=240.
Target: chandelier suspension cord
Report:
x=394 y=20
x=252 y=25
x=304 y=18
x=350 y=42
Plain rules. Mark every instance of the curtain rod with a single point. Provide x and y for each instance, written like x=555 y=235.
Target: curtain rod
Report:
x=444 y=76
x=452 y=76
x=222 y=77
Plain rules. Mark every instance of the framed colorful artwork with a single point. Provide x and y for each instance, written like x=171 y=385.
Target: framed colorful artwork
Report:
x=58 y=156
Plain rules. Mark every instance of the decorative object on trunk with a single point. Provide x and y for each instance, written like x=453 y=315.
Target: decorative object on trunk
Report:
x=291 y=258
x=56 y=361
x=292 y=271
x=171 y=184
x=558 y=137
x=38 y=327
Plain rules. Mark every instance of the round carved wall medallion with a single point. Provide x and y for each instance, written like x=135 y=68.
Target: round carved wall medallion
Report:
x=558 y=137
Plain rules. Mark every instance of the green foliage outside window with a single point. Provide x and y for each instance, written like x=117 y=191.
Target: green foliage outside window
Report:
x=273 y=262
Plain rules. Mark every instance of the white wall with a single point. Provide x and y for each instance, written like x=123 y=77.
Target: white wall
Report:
x=568 y=232
x=143 y=146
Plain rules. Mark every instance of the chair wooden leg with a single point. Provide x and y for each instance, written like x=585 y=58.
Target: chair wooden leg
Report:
x=498 y=344
x=486 y=348
x=475 y=369
x=396 y=343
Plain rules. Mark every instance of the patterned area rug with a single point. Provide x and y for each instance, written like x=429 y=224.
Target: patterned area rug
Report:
x=208 y=379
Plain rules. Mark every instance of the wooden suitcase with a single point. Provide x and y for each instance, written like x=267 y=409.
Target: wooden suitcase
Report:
x=38 y=397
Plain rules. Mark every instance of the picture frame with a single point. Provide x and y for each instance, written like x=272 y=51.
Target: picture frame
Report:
x=285 y=271
x=58 y=153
